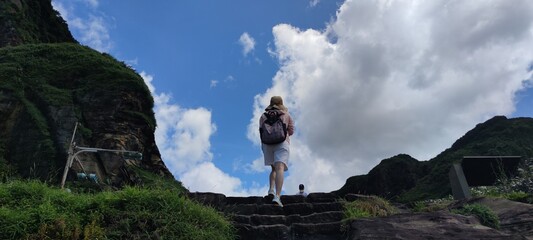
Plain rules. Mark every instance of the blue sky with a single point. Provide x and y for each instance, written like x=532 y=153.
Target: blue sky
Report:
x=364 y=80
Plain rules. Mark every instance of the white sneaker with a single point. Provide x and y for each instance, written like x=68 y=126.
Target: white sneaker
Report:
x=277 y=200
x=271 y=192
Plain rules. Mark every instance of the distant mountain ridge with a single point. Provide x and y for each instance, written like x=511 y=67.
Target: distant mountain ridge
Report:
x=406 y=179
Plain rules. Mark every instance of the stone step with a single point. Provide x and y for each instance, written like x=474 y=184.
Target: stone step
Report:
x=218 y=200
x=315 y=218
x=297 y=231
x=321 y=231
x=269 y=232
x=287 y=209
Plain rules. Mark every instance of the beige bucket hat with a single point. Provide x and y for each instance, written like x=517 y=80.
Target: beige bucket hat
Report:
x=276 y=102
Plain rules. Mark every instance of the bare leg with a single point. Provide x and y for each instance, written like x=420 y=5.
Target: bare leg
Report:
x=272 y=178
x=279 y=170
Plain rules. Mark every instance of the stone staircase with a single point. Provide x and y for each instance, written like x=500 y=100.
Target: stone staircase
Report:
x=316 y=217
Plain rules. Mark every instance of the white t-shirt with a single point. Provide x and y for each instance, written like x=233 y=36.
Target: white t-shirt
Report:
x=303 y=193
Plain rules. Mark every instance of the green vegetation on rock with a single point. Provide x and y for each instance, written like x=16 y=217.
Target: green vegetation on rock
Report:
x=48 y=85
x=485 y=215
x=33 y=21
x=371 y=206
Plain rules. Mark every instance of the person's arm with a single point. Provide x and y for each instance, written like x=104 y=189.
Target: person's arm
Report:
x=290 y=126
x=262 y=119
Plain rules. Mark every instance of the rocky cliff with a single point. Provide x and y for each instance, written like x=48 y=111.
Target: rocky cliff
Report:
x=407 y=179
x=24 y=21
x=48 y=82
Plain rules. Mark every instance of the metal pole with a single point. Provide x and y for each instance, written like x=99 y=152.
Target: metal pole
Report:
x=69 y=158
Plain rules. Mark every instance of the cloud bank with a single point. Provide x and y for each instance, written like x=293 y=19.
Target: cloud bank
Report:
x=390 y=77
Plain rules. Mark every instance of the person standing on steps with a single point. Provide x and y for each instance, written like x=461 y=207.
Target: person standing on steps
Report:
x=275 y=128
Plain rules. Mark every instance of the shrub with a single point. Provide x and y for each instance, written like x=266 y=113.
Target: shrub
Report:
x=485 y=215
x=520 y=197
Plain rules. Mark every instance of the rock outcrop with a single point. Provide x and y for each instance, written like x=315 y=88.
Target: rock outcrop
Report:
x=433 y=225
x=47 y=88
x=48 y=83
x=515 y=217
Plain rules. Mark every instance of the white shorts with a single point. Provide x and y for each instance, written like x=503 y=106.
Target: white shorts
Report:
x=276 y=153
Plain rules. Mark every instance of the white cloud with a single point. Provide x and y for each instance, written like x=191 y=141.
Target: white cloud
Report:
x=91 y=30
x=95 y=33
x=390 y=77
x=206 y=177
x=182 y=135
x=92 y=3
x=58 y=6
x=313 y=3
x=247 y=43
x=213 y=83
x=183 y=138
x=257 y=166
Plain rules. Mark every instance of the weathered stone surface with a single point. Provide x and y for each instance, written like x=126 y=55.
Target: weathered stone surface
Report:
x=241 y=219
x=288 y=199
x=216 y=200
x=350 y=197
x=318 y=231
x=327 y=207
x=322 y=197
x=298 y=208
x=268 y=232
x=244 y=200
x=434 y=225
x=244 y=209
x=257 y=219
x=515 y=217
x=270 y=209
x=333 y=216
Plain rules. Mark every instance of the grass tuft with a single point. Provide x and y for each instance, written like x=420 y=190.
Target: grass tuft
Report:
x=368 y=207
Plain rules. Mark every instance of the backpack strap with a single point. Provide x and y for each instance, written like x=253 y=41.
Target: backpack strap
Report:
x=273 y=115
